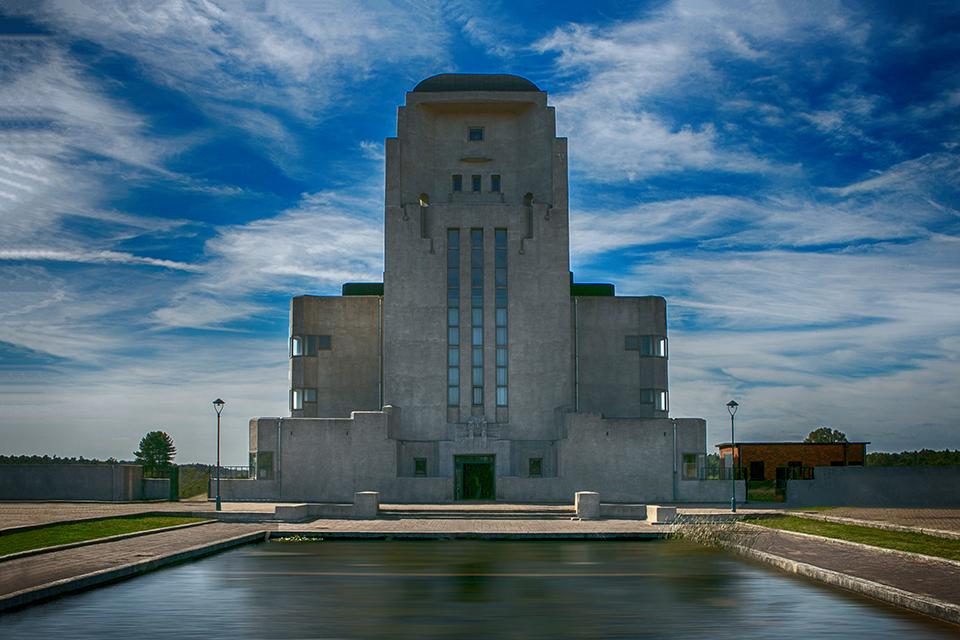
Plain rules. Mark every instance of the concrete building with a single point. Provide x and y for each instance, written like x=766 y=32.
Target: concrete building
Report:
x=477 y=370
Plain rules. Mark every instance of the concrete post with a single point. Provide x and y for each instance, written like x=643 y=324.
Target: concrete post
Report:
x=660 y=515
x=587 y=504
x=366 y=504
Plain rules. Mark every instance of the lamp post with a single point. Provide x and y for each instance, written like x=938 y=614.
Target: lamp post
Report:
x=218 y=407
x=732 y=408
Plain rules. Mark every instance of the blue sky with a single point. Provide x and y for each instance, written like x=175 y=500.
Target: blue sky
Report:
x=787 y=175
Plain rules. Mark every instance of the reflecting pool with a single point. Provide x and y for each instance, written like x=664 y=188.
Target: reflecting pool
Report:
x=462 y=589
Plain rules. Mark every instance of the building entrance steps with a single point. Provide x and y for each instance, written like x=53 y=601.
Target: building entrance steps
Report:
x=472 y=510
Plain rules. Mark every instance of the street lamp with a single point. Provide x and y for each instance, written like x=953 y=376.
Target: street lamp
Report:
x=218 y=406
x=732 y=408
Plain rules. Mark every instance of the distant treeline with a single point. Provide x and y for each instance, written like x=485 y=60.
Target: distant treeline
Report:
x=922 y=458
x=82 y=460
x=58 y=460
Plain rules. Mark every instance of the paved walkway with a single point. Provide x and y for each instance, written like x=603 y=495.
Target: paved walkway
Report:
x=928 y=578
x=24 y=580
x=944 y=519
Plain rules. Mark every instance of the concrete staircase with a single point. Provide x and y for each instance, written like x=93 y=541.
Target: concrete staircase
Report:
x=488 y=511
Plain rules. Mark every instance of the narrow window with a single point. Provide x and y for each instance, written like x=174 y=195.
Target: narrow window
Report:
x=495 y=183
x=296 y=346
x=500 y=297
x=536 y=467
x=476 y=182
x=475 y=134
x=690 y=466
x=420 y=467
x=476 y=313
x=453 y=316
x=296 y=399
x=310 y=345
x=457 y=182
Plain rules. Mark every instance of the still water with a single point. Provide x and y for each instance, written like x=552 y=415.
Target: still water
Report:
x=466 y=589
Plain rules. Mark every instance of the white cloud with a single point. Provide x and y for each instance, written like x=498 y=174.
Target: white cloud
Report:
x=93 y=257
x=328 y=239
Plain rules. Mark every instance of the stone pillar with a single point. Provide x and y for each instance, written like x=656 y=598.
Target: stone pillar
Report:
x=366 y=504
x=587 y=504
x=660 y=515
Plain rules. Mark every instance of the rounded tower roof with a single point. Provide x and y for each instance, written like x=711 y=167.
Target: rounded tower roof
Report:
x=475 y=82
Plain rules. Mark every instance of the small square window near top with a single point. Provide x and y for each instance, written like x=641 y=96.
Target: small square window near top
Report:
x=475 y=134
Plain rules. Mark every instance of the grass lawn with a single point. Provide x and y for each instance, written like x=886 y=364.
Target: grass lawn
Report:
x=66 y=533
x=902 y=541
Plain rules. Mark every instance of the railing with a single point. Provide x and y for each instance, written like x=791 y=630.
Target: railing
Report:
x=230 y=473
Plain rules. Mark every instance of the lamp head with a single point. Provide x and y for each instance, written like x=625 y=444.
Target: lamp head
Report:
x=218 y=405
x=732 y=407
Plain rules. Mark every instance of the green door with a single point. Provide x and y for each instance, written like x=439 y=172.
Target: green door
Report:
x=474 y=478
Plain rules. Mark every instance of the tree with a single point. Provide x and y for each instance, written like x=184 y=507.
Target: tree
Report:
x=826 y=434
x=156 y=451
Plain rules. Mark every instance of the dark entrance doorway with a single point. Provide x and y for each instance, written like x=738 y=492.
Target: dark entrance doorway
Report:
x=474 y=478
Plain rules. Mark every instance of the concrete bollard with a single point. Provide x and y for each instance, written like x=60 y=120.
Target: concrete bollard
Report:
x=366 y=504
x=660 y=515
x=587 y=504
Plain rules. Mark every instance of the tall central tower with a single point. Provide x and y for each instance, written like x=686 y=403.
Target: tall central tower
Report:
x=476 y=282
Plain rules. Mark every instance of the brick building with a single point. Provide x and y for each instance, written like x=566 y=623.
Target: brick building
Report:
x=789 y=460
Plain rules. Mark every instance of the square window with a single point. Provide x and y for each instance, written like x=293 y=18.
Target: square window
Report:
x=324 y=343
x=477 y=336
x=457 y=182
x=536 y=467
x=501 y=317
x=477 y=356
x=310 y=346
x=501 y=277
x=495 y=183
x=631 y=343
x=477 y=376
x=453 y=235
x=420 y=467
x=646 y=396
x=453 y=376
x=453 y=357
x=453 y=317
x=501 y=396
x=501 y=296
x=500 y=237
x=501 y=357
x=309 y=395
x=477 y=396
x=475 y=134
x=453 y=396
x=502 y=376
x=476 y=183
x=453 y=277
x=453 y=335
x=476 y=315
x=501 y=335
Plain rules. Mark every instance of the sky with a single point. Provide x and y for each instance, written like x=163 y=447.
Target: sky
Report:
x=786 y=174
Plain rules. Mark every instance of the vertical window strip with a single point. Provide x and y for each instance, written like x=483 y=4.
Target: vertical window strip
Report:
x=476 y=315
x=500 y=264
x=453 y=317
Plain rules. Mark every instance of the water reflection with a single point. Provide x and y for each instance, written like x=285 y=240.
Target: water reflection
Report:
x=447 y=589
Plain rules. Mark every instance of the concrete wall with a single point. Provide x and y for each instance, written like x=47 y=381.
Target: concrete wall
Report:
x=156 y=488
x=347 y=376
x=716 y=491
x=877 y=487
x=610 y=377
x=104 y=482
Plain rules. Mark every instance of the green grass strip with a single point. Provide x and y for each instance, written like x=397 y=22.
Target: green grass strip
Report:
x=899 y=540
x=66 y=533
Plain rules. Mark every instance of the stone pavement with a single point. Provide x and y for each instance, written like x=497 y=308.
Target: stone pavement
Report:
x=890 y=576
x=943 y=519
x=25 y=580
